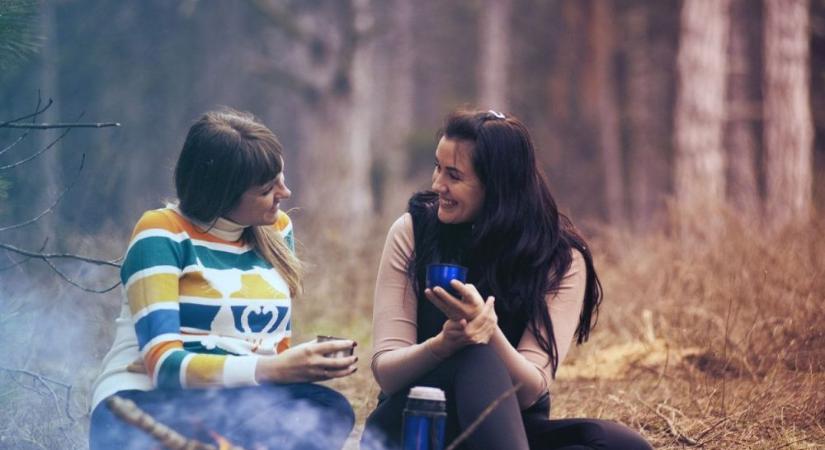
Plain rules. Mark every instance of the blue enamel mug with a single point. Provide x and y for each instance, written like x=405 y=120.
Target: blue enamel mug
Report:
x=442 y=274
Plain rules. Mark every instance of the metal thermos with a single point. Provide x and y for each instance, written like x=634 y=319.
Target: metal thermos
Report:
x=425 y=417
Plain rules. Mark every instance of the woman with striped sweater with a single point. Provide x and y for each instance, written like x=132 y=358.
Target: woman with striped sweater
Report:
x=203 y=339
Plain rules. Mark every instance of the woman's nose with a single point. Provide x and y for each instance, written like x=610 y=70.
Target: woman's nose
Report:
x=284 y=192
x=437 y=185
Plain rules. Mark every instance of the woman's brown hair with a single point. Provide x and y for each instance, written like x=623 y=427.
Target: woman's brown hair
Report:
x=225 y=153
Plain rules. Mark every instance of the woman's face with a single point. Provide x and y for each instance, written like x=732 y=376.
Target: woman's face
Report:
x=460 y=192
x=259 y=204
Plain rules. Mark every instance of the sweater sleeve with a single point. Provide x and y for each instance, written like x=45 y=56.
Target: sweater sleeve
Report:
x=154 y=263
x=397 y=359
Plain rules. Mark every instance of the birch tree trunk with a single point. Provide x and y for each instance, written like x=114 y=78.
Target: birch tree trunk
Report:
x=740 y=133
x=648 y=58
x=788 y=123
x=494 y=61
x=700 y=105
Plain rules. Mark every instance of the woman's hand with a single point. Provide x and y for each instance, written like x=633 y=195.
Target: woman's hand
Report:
x=306 y=362
x=457 y=334
x=467 y=307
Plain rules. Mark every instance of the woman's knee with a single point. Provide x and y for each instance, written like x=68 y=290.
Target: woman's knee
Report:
x=479 y=360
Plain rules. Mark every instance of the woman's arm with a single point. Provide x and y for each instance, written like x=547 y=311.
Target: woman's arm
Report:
x=150 y=274
x=530 y=364
x=397 y=358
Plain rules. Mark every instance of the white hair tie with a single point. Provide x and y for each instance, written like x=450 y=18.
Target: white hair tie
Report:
x=496 y=114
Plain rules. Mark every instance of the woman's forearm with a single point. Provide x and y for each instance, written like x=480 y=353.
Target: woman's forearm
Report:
x=397 y=368
x=521 y=370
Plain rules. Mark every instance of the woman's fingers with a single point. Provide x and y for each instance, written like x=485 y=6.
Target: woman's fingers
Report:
x=467 y=292
x=341 y=372
x=338 y=363
x=326 y=347
x=446 y=303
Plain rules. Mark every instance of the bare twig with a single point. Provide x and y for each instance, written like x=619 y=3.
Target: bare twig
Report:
x=75 y=283
x=22 y=136
x=13 y=263
x=45 y=256
x=48 y=126
x=711 y=428
x=681 y=437
x=487 y=411
x=37 y=112
x=43 y=379
x=56 y=201
x=36 y=154
x=130 y=413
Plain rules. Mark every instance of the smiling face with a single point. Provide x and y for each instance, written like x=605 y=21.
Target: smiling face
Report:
x=460 y=192
x=258 y=205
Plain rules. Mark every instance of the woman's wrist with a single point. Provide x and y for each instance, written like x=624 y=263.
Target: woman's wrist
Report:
x=439 y=346
x=267 y=369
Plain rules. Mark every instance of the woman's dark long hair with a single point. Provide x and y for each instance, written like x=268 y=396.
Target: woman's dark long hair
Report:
x=519 y=248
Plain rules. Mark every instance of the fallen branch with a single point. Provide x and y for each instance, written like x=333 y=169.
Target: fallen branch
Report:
x=130 y=413
x=487 y=411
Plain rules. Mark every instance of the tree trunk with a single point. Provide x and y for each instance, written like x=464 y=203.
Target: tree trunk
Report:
x=788 y=124
x=494 y=61
x=700 y=105
x=601 y=108
x=648 y=58
x=335 y=149
x=740 y=134
x=393 y=89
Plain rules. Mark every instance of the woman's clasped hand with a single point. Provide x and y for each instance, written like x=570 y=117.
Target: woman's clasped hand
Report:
x=470 y=319
x=308 y=362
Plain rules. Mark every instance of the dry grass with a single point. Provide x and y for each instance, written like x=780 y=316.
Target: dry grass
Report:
x=706 y=342
x=711 y=342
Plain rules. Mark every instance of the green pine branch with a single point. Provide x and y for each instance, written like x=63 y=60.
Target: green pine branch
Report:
x=19 y=37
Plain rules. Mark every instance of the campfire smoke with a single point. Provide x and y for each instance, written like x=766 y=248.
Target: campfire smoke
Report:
x=129 y=412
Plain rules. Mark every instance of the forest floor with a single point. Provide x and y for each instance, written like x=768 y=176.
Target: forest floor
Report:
x=713 y=342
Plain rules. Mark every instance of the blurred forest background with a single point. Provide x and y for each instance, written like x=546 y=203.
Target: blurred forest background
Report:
x=684 y=137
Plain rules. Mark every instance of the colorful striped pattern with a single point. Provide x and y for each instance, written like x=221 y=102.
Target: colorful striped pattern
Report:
x=202 y=307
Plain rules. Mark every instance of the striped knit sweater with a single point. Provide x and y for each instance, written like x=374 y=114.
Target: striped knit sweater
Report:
x=199 y=307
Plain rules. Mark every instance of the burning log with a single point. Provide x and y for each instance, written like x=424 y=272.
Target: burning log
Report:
x=129 y=412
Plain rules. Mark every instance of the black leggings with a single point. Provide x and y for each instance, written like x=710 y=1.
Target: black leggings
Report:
x=472 y=379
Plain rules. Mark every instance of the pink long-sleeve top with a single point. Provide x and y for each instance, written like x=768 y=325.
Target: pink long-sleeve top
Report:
x=398 y=359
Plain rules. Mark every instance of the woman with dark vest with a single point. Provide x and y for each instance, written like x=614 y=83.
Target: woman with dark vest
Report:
x=490 y=210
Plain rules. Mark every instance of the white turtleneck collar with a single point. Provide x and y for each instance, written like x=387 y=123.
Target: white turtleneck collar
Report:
x=223 y=228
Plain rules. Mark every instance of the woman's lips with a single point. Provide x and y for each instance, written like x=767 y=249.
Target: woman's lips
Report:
x=444 y=203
